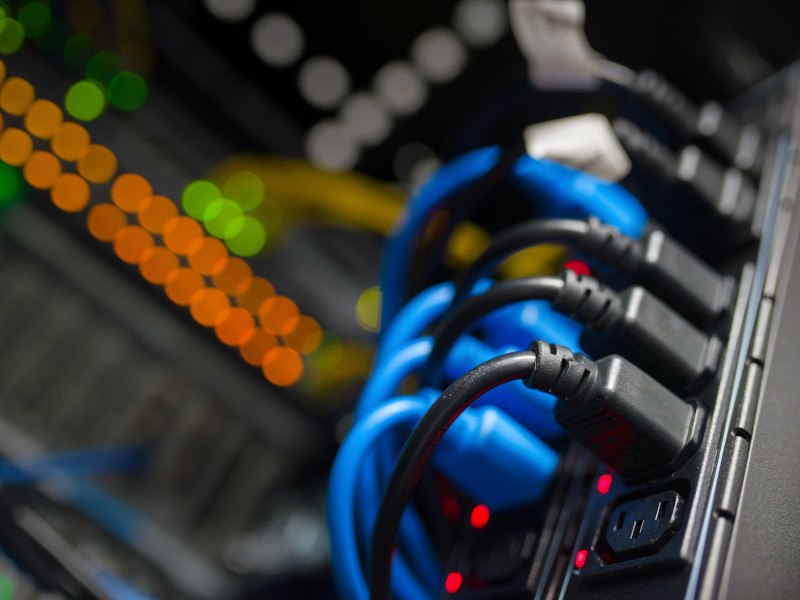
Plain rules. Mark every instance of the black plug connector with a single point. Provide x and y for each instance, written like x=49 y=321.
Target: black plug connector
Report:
x=737 y=144
x=664 y=267
x=625 y=417
x=638 y=326
x=696 y=183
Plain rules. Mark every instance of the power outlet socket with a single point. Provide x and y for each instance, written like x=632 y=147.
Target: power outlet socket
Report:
x=641 y=526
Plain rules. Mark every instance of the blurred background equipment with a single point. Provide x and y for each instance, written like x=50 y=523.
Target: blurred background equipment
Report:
x=232 y=231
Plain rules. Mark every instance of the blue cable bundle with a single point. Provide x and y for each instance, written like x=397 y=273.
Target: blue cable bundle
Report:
x=496 y=453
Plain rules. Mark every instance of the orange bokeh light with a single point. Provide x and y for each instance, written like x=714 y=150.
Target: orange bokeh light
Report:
x=71 y=193
x=42 y=170
x=130 y=243
x=104 y=221
x=180 y=232
x=207 y=304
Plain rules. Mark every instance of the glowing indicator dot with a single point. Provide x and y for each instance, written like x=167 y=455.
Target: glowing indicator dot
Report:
x=207 y=305
x=42 y=170
x=71 y=142
x=255 y=345
x=104 y=221
x=130 y=243
x=16 y=147
x=78 y=51
x=207 y=255
x=580 y=558
x=6 y=588
x=223 y=218
x=276 y=314
x=329 y=354
x=35 y=18
x=98 y=164
x=305 y=334
x=85 y=101
x=129 y=191
x=155 y=211
x=232 y=275
x=102 y=67
x=70 y=193
x=10 y=185
x=578 y=267
x=198 y=196
x=251 y=293
x=181 y=285
x=244 y=188
x=180 y=232
x=368 y=308
x=479 y=517
x=233 y=326
x=127 y=91
x=452 y=582
x=43 y=119
x=16 y=96
x=604 y=483
x=157 y=263
x=282 y=366
x=12 y=34
x=250 y=239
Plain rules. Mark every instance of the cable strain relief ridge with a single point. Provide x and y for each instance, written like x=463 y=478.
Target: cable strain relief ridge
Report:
x=558 y=371
x=605 y=242
x=584 y=299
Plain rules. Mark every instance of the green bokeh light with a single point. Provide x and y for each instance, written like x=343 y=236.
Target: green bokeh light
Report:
x=85 y=100
x=6 y=588
x=270 y=215
x=197 y=196
x=329 y=354
x=78 y=51
x=223 y=218
x=11 y=35
x=127 y=91
x=10 y=185
x=246 y=189
x=35 y=18
x=55 y=38
x=250 y=239
x=103 y=66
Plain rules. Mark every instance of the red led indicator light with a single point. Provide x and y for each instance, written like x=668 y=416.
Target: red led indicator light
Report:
x=580 y=558
x=453 y=583
x=578 y=266
x=604 y=483
x=479 y=516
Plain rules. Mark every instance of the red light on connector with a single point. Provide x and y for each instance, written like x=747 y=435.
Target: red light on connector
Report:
x=578 y=266
x=580 y=558
x=453 y=582
x=604 y=483
x=479 y=516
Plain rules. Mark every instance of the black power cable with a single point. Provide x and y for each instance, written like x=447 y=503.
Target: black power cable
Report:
x=514 y=239
x=633 y=323
x=593 y=304
x=652 y=430
x=658 y=262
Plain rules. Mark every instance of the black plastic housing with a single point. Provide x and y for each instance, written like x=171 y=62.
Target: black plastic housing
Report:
x=630 y=421
x=658 y=340
x=682 y=280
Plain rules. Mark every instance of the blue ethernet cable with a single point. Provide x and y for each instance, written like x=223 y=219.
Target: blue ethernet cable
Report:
x=448 y=180
x=529 y=407
x=564 y=192
x=483 y=443
x=532 y=411
x=578 y=194
x=345 y=472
